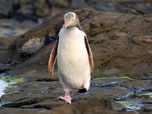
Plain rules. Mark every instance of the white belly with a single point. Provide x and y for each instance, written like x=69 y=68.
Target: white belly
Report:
x=72 y=58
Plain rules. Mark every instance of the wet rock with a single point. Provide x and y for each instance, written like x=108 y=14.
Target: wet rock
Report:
x=33 y=96
x=43 y=94
x=23 y=111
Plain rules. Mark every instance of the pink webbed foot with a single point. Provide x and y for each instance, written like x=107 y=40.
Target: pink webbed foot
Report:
x=67 y=98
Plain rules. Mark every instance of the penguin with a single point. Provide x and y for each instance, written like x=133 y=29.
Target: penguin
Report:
x=74 y=57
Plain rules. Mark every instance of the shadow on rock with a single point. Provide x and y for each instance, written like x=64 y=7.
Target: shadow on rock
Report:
x=88 y=105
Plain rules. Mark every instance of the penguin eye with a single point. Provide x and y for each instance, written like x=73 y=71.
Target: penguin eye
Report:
x=73 y=20
x=66 y=18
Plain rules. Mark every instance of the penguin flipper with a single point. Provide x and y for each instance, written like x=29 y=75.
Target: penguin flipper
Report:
x=90 y=55
x=52 y=58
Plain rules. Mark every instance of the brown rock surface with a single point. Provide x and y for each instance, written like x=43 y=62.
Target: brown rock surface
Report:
x=121 y=44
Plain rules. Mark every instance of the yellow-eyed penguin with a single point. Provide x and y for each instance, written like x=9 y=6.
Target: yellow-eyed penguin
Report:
x=74 y=57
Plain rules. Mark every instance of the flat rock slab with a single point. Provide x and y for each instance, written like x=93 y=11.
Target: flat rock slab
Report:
x=23 y=111
x=42 y=96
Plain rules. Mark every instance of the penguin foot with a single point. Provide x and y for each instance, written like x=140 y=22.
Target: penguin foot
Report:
x=67 y=98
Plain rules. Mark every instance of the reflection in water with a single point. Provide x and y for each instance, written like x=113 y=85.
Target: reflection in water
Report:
x=135 y=93
x=111 y=84
x=132 y=105
x=128 y=100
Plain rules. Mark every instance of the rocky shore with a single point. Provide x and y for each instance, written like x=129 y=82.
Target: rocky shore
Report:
x=33 y=10
x=121 y=43
x=122 y=49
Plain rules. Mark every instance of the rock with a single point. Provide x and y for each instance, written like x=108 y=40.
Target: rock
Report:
x=88 y=105
x=59 y=3
x=142 y=39
x=79 y=4
x=5 y=8
x=118 y=41
x=4 y=67
x=4 y=43
x=39 y=35
x=31 y=10
x=32 y=45
x=121 y=45
x=42 y=96
x=11 y=28
x=24 y=111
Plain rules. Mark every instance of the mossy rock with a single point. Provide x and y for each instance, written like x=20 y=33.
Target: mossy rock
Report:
x=12 y=79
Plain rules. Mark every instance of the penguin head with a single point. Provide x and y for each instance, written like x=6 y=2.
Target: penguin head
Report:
x=70 y=20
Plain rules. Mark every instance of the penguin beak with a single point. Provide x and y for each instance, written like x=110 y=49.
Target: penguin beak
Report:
x=66 y=24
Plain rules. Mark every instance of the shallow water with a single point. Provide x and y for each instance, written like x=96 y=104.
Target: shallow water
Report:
x=8 y=82
x=137 y=98
x=134 y=105
x=3 y=85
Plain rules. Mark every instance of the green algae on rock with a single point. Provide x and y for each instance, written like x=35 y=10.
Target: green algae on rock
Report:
x=131 y=105
x=108 y=78
x=12 y=79
x=9 y=85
